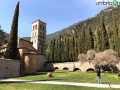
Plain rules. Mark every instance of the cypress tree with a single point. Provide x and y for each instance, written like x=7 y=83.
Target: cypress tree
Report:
x=76 y=50
x=80 y=44
x=65 y=50
x=53 y=47
x=73 y=43
x=83 y=40
x=73 y=49
x=59 y=50
x=56 y=50
x=67 y=53
x=90 y=40
x=98 y=39
x=103 y=36
x=11 y=51
x=115 y=35
x=51 y=51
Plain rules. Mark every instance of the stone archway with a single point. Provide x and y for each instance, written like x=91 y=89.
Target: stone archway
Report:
x=77 y=69
x=90 y=69
x=56 y=68
x=65 y=68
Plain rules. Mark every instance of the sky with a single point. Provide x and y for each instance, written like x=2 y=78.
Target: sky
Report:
x=58 y=14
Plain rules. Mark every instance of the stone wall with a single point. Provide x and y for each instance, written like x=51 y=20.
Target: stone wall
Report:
x=9 y=68
x=29 y=62
x=41 y=62
x=74 y=65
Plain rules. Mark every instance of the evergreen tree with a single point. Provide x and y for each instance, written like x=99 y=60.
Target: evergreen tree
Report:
x=111 y=39
x=83 y=40
x=47 y=56
x=73 y=49
x=103 y=36
x=115 y=35
x=67 y=53
x=59 y=50
x=80 y=44
x=73 y=43
x=53 y=47
x=90 y=41
x=76 y=50
x=56 y=50
x=11 y=51
x=51 y=51
x=65 y=50
x=98 y=39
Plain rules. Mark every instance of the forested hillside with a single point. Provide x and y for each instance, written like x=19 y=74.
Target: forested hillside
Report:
x=99 y=33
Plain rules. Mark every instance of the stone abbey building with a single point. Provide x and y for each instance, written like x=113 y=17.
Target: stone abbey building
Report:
x=32 y=54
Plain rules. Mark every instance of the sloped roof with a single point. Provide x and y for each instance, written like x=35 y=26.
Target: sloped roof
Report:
x=28 y=47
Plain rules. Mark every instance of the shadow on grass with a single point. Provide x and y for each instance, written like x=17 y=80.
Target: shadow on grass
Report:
x=36 y=73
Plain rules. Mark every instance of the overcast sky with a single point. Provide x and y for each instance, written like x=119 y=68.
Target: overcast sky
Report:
x=58 y=14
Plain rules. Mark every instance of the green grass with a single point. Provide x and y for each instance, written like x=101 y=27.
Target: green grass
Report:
x=77 y=76
x=61 y=76
x=31 y=86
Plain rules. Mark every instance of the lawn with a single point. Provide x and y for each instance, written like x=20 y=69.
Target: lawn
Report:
x=76 y=76
x=31 y=86
x=61 y=76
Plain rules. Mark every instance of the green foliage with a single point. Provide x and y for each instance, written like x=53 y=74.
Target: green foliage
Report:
x=98 y=39
x=11 y=51
x=80 y=44
x=47 y=56
x=103 y=36
x=3 y=41
x=83 y=41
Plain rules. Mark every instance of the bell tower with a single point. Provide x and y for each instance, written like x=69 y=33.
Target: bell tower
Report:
x=38 y=37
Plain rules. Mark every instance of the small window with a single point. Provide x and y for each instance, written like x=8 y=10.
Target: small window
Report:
x=40 y=26
x=43 y=27
x=35 y=33
x=35 y=41
x=41 y=50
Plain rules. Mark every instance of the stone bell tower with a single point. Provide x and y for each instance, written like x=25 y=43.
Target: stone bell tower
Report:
x=38 y=37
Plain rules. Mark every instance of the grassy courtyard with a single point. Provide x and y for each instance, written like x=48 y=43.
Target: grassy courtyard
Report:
x=76 y=76
x=61 y=76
